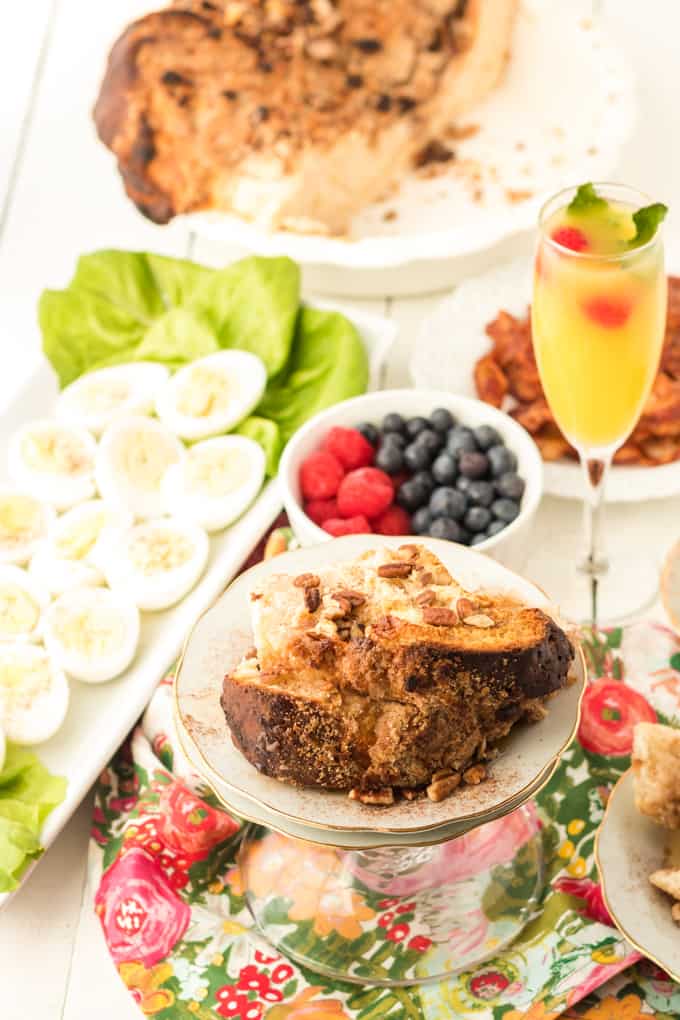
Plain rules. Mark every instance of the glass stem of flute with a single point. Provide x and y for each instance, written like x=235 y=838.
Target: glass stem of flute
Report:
x=595 y=564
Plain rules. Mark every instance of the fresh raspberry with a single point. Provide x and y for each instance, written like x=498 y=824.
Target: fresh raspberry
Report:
x=609 y=312
x=571 y=237
x=320 y=475
x=393 y=521
x=319 y=510
x=347 y=526
x=351 y=448
x=366 y=491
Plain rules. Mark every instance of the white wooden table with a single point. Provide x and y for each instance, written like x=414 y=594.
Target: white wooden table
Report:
x=60 y=196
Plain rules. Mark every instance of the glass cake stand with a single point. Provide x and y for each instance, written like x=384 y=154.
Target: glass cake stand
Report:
x=399 y=895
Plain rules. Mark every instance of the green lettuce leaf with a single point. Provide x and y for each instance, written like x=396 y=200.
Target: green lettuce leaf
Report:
x=267 y=434
x=327 y=364
x=28 y=792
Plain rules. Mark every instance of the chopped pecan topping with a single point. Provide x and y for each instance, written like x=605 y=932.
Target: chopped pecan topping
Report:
x=465 y=607
x=383 y=796
x=479 y=620
x=312 y=599
x=307 y=581
x=426 y=577
x=408 y=552
x=411 y=682
x=415 y=794
x=474 y=775
x=443 y=787
x=344 y=604
x=439 y=616
x=426 y=598
x=395 y=570
x=355 y=598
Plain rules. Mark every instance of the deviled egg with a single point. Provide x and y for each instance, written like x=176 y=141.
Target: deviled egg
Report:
x=133 y=456
x=22 y=602
x=53 y=462
x=74 y=550
x=154 y=564
x=92 y=633
x=24 y=523
x=33 y=694
x=212 y=394
x=95 y=399
x=216 y=480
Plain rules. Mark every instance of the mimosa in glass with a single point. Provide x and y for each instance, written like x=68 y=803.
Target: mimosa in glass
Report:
x=598 y=320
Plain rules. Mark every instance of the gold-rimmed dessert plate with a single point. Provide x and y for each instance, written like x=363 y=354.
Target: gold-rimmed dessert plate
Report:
x=221 y=637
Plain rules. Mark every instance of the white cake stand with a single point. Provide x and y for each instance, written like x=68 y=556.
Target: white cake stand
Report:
x=455 y=881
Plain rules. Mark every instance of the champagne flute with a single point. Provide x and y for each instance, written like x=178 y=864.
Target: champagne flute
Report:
x=598 y=322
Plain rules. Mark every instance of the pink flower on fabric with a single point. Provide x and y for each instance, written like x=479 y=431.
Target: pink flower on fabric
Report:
x=187 y=823
x=589 y=891
x=142 y=917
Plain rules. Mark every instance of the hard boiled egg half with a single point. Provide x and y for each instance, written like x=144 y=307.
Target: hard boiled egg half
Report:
x=92 y=633
x=132 y=458
x=71 y=555
x=95 y=399
x=216 y=480
x=53 y=462
x=212 y=394
x=33 y=694
x=24 y=523
x=22 y=602
x=154 y=564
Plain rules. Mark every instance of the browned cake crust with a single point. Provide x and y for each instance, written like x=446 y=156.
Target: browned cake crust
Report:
x=211 y=105
x=391 y=702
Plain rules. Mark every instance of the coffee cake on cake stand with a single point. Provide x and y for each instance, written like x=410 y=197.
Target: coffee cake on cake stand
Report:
x=394 y=894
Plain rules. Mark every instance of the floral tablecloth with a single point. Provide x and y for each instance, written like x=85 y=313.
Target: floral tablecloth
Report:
x=170 y=898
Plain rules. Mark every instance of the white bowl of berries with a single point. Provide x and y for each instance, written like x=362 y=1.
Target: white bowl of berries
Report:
x=414 y=462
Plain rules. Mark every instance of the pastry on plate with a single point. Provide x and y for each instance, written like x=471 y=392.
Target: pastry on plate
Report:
x=294 y=114
x=656 y=775
x=383 y=674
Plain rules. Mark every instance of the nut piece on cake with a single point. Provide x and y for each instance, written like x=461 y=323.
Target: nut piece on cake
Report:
x=375 y=691
x=656 y=776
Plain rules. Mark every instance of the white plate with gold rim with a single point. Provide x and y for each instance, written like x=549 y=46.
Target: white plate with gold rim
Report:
x=629 y=847
x=223 y=634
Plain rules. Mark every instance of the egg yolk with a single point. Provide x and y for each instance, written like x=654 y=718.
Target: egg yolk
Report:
x=19 y=614
x=55 y=451
x=20 y=519
x=100 y=396
x=76 y=542
x=216 y=472
x=21 y=682
x=205 y=392
x=158 y=551
x=93 y=631
x=143 y=457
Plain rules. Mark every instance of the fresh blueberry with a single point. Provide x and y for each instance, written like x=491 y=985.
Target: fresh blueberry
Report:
x=480 y=537
x=477 y=519
x=442 y=420
x=412 y=495
x=486 y=437
x=417 y=457
x=465 y=537
x=445 y=527
x=505 y=509
x=444 y=469
x=415 y=425
x=480 y=493
x=494 y=528
x=460 y=439
x=432 y=441
x=393 y=422
x=463 y=484
x=395 y=438
x=424 y=478
x=368 y=431
x=511 y=486
x=448 y=502
x=472 y=464
x=389 y=458
x=501 y=460
x=421 y=521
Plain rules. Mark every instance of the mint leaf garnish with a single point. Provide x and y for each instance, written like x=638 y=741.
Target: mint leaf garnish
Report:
x=647 y=221
x=586 y=199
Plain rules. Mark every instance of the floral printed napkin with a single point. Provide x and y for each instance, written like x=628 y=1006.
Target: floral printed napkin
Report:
x=171 y=903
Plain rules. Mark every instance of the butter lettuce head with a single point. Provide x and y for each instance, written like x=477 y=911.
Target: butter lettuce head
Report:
x=135 y=306
x=28 y=792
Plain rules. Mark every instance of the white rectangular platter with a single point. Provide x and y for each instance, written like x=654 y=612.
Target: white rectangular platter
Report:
x=101 y=715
